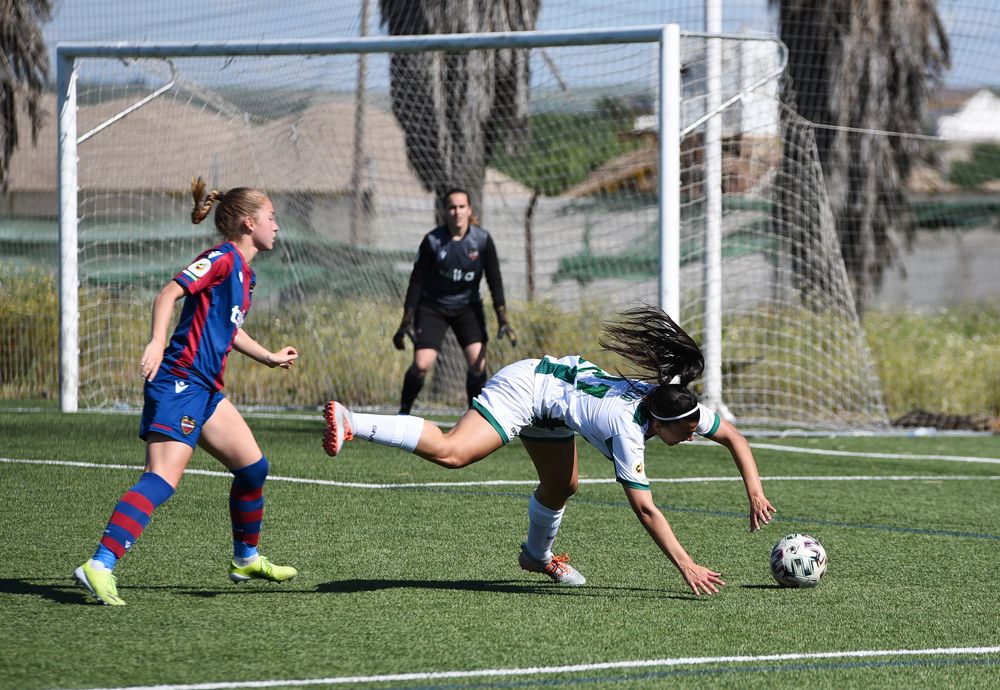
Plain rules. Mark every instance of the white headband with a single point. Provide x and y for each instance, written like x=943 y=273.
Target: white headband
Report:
x=675 y=418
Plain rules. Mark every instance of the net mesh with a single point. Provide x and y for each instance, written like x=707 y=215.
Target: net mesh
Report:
x=573 y=213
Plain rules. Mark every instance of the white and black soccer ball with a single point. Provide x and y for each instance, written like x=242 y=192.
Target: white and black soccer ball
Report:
x=798 y=560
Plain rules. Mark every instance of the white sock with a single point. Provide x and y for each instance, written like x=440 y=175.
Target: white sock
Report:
x=398 y=431
x=543 y=524
x=243 y=562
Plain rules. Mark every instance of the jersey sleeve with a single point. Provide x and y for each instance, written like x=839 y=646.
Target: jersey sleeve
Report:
x=708 y=421
x=422 y=268
x=629 y=456
x=491 y=266
x=206 y=271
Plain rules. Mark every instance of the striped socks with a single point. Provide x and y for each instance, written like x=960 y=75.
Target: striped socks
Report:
x=130 y=517
x=246 y=509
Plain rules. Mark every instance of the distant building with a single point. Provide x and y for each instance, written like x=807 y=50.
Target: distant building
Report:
x=142 y=165
x=750 y=125
x=977 y=120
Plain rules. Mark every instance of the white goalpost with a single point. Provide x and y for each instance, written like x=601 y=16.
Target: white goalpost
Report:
x=620 y=174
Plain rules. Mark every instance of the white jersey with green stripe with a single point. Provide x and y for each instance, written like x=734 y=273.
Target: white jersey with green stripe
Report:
x=604 y=409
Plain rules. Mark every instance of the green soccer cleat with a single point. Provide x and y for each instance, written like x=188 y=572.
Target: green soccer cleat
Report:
x=100 y=582
x=261 y=569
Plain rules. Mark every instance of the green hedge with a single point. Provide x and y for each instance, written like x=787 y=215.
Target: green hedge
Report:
x=29 y=335
x=947 y=361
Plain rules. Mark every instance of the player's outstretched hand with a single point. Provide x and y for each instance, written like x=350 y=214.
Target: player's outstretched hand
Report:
x=152 y=357
x=702 y=580
x=403 y=332
x=760 y=512
x=506 y=331
x=284 y=358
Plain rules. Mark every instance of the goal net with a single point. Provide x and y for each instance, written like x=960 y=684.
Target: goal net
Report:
x=573 y=211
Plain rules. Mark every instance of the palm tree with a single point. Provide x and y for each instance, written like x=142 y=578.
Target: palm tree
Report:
x=457 y=108
x=858 y=68
x=24 y=71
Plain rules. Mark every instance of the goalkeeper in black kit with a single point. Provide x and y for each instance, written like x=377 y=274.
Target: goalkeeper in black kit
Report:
x=444 y=292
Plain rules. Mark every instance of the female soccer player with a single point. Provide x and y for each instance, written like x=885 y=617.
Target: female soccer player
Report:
x=444 y=293
x=184 y=404
x=545 y=401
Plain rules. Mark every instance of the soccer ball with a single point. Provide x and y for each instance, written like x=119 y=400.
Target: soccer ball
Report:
x=798 y=560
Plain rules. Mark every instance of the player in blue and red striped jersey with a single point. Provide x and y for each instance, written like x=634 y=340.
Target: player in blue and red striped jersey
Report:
x=183 y=381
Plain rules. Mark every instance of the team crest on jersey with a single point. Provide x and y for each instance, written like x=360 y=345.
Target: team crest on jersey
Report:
x=473 y=254
x=187 y=425
x=443 y=254
x=198 y=269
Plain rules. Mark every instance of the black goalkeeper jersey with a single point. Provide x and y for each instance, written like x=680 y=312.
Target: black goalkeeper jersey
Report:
x=447 y=272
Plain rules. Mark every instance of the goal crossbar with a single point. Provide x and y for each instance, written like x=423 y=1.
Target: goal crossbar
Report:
x=386 y=44
x=669 y=145
x=668 y=36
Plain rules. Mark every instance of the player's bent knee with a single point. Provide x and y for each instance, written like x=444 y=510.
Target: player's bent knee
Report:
x=455 y=462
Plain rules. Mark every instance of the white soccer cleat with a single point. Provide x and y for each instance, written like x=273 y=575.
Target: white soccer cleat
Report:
x=338 y=427
x=558 y=568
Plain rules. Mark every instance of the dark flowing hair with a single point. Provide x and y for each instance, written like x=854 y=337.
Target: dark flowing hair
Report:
x=661 y=351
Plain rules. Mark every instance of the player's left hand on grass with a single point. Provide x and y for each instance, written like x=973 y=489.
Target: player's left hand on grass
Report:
x=702 y=580
x=760 y=512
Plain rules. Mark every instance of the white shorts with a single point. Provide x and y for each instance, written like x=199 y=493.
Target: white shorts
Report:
x=507 y=402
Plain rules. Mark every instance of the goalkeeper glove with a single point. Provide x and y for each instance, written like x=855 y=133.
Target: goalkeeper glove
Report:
x=505 y=330
x=405 y=330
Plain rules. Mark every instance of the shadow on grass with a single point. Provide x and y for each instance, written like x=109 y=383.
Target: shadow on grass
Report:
x=495 y=586
x=63 y=591
x=69 y=592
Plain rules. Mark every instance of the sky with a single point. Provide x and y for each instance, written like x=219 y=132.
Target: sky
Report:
x=973 y=25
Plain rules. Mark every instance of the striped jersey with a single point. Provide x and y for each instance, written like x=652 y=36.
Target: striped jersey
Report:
x=604 y=409
x=218 y=287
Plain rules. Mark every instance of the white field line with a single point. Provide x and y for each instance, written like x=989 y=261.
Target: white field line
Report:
x=574 y=668
x=524 y=482
x=877 y=456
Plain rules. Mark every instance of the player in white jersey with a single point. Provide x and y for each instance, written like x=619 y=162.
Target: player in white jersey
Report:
x=547 y=401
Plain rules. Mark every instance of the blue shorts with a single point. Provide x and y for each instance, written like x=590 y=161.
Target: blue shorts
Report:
x=177 y=408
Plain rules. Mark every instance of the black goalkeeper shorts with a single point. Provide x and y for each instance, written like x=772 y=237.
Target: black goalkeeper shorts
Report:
x=432 y=323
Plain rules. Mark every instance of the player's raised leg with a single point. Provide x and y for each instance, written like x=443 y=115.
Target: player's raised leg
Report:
x=471 y=439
